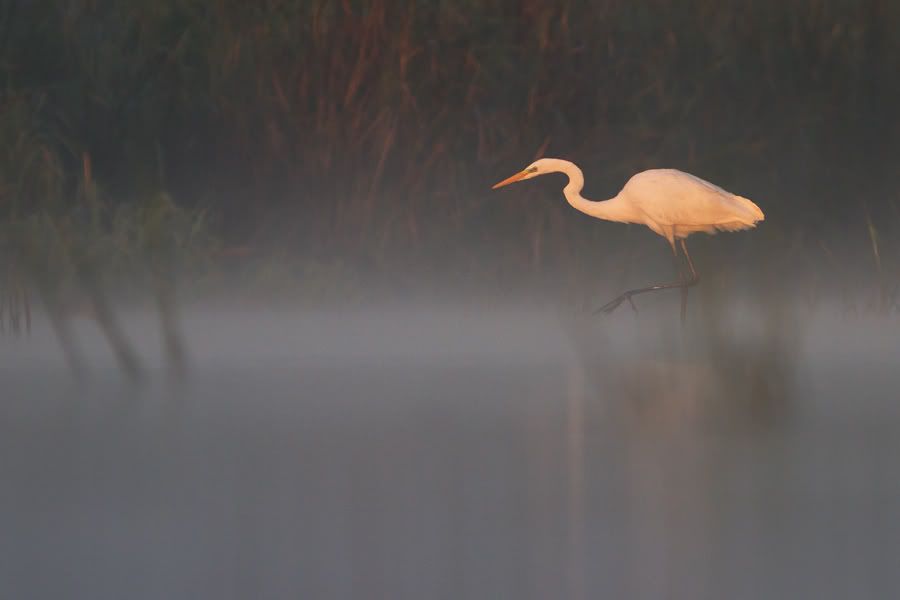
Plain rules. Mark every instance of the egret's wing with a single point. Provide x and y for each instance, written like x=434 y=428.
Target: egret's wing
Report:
x=677 y=199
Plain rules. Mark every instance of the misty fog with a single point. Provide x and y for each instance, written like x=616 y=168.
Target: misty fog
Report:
x=414 y=450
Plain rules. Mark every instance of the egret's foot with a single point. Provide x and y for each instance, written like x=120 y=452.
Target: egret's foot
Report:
x=615 y=302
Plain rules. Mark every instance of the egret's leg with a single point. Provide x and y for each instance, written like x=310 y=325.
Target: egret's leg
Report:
x=695 y=279
x=690 y=282
x=684 y=290
x=682 y=284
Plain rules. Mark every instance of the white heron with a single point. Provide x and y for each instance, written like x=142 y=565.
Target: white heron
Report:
x=672 y=203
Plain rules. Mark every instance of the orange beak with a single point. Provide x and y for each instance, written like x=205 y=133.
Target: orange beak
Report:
x=517 y=177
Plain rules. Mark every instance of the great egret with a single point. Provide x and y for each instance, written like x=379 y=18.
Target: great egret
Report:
x=672 y=203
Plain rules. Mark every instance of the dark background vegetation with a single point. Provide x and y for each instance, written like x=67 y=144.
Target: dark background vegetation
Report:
x=327 y=140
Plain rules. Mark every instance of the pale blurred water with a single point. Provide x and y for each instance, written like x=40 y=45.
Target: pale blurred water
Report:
x=457 y=453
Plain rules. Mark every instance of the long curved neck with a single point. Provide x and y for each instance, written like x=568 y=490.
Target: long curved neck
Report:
x=613 y=209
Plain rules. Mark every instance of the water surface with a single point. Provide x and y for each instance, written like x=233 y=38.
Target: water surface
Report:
x=455 y=453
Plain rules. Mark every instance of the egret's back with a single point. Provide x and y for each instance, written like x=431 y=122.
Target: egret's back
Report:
x=680 y=202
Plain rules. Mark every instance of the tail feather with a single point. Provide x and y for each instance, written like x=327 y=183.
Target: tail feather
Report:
x=750 y=216
x=752 y=208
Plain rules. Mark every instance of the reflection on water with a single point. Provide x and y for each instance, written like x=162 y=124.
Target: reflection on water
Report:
x=417 y=454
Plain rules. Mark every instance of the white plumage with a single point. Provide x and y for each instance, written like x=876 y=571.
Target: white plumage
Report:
x=676 y=204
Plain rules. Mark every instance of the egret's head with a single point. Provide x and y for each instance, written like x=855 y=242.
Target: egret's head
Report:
x=541 y=166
